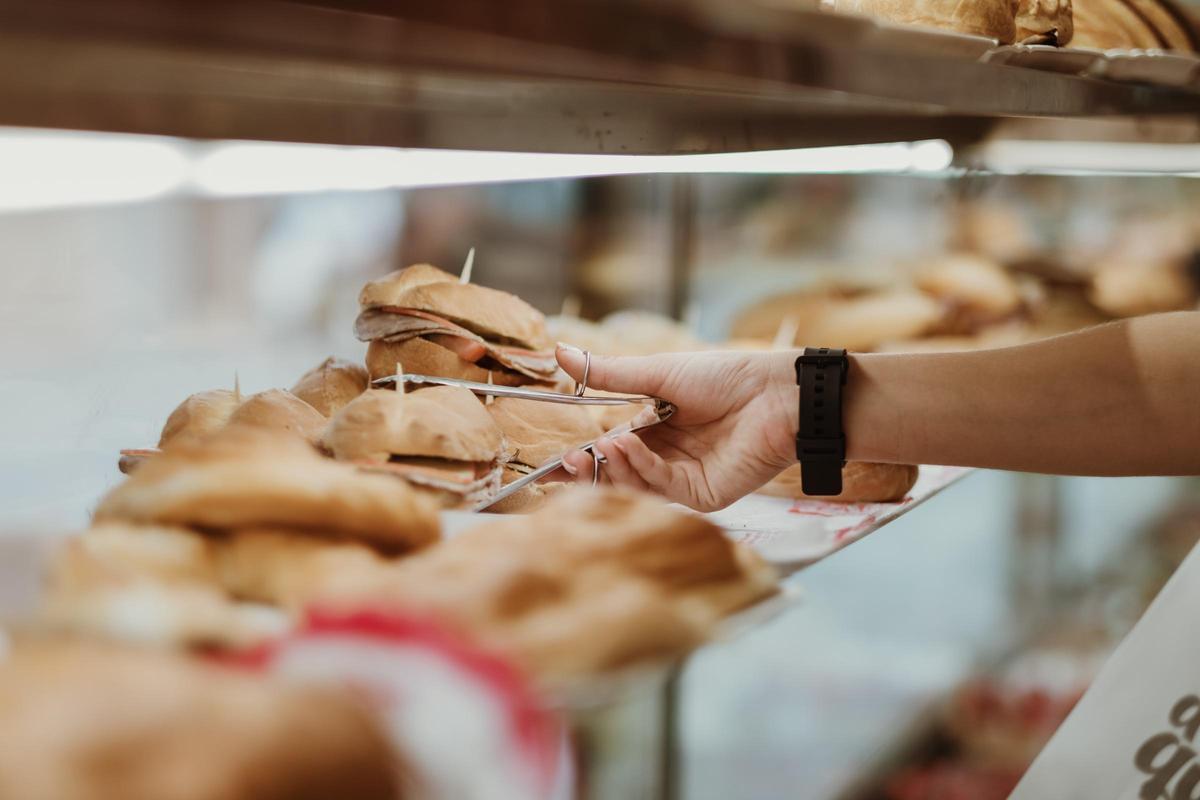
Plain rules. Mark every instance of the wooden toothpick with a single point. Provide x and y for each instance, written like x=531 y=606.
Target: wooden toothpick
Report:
x=465 y=275
x=237 y=388
x=785 y=334
x=400 y=378
x=488 y=398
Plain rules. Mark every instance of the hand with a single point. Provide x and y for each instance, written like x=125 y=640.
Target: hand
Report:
x=734 y=429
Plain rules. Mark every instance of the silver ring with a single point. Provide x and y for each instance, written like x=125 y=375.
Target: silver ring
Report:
x=581 y=387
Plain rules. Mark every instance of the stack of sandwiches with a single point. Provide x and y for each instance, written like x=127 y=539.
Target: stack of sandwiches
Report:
x=89 y=721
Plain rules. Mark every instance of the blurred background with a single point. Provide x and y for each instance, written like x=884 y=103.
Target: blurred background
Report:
x=942 y=650
x=928 y=662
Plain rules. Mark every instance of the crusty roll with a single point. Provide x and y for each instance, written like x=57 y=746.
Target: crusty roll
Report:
x=862 y=482
x=331 y=384
x=199 y=415
x=84 y=721
x=1112 y=25
x=276 y=409
x=594 y=580
x=245 y=476
x=422 y=357
x=438 y=422
x=537 y=432
x=1173 y=27
x=497 y=316
x=529 y=499
x=283 y=568
x=1045 y=22
x=977 y=290
x=995 y=19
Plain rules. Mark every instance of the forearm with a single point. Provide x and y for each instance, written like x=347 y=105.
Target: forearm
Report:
x=1120 y=399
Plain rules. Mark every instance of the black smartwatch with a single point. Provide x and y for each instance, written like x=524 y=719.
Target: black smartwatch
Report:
x=820 y=441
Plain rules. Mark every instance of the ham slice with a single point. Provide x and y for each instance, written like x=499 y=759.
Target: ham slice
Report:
x=400 y=324
x=471 y=481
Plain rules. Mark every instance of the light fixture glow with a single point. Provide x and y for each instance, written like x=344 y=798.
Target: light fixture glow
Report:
x=56 y=169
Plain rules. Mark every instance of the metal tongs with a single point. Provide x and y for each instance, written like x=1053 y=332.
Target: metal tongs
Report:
x=661 y=411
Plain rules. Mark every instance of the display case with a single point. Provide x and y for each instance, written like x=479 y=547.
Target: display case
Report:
x=238 y=261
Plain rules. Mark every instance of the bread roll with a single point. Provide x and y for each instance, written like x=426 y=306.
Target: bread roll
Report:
x=495 y=315
x=199 y=415
x=422 y=357
x=331 y=385
x=244 y=477
x=92 y=722
x=437 y=422
x=995 y=19
x=276 y=409
x=1112 y=25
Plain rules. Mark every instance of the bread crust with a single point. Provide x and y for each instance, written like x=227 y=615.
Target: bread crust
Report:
x=330 y=385
x=536 y=432
x=436 y=422
x=995 y=19
x=82 y=721
x=280 y=410
x=594 y=580
x=495 y=315
x=421 y=357
x=244 y=477
x=1045 y=22
x=862 y=482
x=1112 y=25
x=199 y=415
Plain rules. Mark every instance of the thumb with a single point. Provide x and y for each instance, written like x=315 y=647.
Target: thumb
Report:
x=624 y=374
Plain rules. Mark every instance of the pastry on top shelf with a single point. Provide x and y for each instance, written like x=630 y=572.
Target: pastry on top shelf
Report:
x=995 y=19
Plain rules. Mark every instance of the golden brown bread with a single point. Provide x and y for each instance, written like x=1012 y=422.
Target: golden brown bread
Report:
x=277 y=566
x=537 y=432
x=84 y=721
x=276 y=409
x=245 y=476
x=437 y=422
x=199 y=415
x=1112 y=25
x=527 y=500
x=1045 y=22
x=592 y=581
x=1175 y=29
x=495 y=315
x=1129 y=288
x=976 y=290
x=995 y=19
x=116 y=552
x=331 y=384
x=862 y=482
x=854 y=319
x=422 y=357
x=150 y=584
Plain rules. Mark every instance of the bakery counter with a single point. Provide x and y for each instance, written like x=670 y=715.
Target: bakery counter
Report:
x=587 y=76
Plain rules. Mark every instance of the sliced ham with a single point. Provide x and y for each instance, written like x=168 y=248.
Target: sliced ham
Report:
x=400 y=324
x=469 y=480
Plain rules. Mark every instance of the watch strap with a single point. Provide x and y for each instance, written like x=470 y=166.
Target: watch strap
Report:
x=820 y=441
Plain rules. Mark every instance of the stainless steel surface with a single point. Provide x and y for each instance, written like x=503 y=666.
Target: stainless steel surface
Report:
x=611 y=76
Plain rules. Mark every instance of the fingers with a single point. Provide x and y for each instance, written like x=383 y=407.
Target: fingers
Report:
x=649 y=465
x=617 y=469
x=628 y=374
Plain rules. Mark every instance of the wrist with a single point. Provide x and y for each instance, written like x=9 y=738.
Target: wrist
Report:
x=785 y=398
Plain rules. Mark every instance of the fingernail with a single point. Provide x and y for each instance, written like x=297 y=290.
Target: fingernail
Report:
x=570 y=347
x=619 y=442
x=570 y=470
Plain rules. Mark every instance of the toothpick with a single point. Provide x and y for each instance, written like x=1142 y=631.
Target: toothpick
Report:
x=487 y=399
x=785 y=334
x=465 y=275
x=237 y=388
x=571 y=306
x=400 y=378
